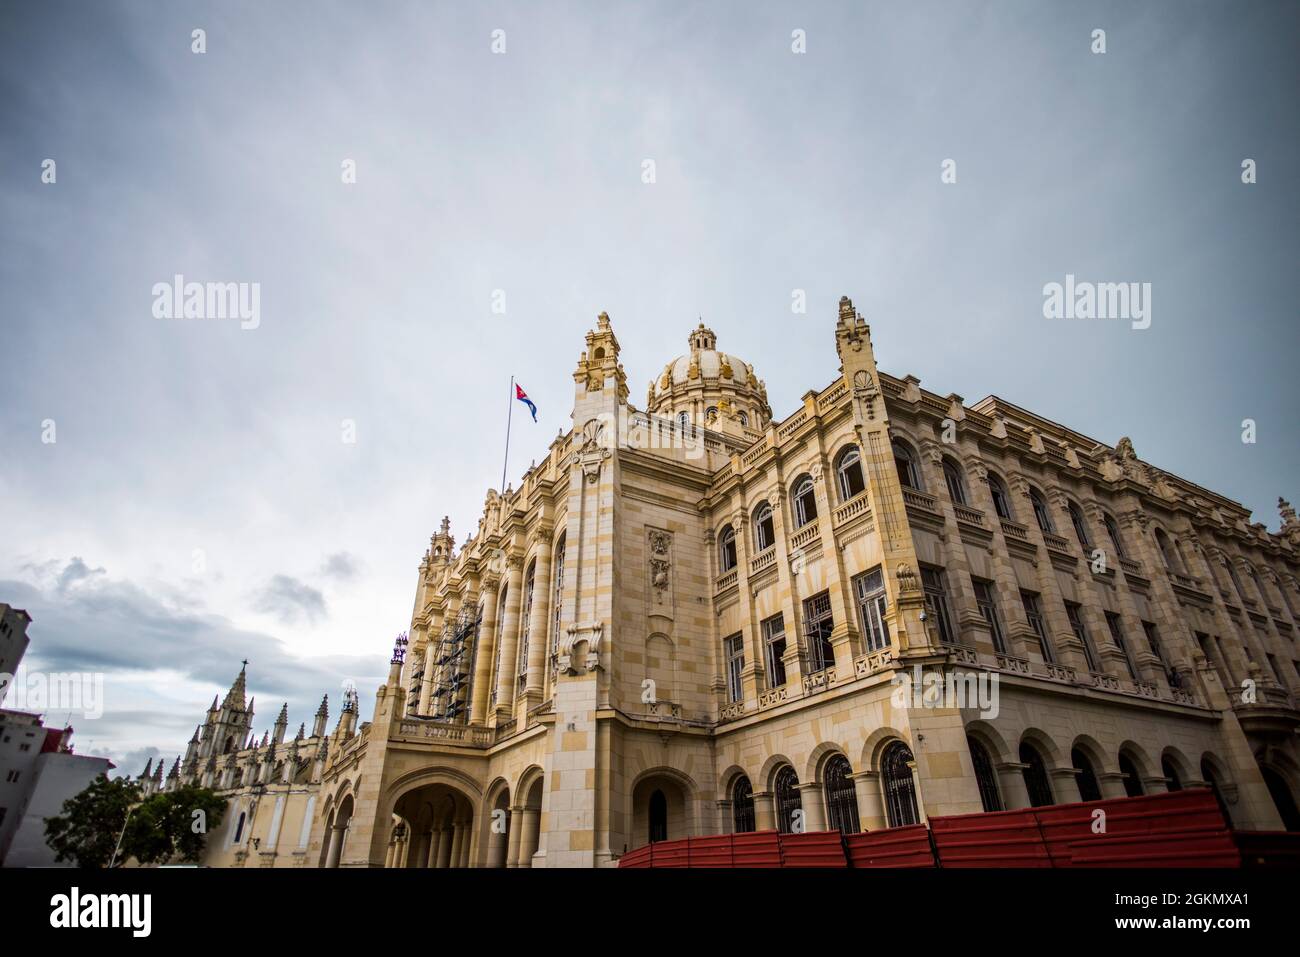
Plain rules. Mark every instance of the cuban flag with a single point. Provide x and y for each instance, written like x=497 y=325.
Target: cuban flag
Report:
x=522 y=396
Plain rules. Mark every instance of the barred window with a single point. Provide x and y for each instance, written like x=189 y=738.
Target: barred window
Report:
x=985 y=777
x=841 y=796
x=1035 y=773
x=935 y=584
x=789 y=807
x=1074 y=613
x=899 y=785
x=986 y=599
x=869 y=588
x=735 y=653
x=774 y=650
x=742 y=806
x=818 y=621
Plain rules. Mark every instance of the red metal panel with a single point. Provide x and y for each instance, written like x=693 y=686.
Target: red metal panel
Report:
x=638 y=858
x=813 y=849
x=994 y=839
x=1062 y=825
x=890 y=847
x=670 y=853
x=1197 y=848
x=756 y=849
x=714 y=851
x=1268 y=848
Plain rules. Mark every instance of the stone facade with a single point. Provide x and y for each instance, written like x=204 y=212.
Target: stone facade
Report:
x=691 y=619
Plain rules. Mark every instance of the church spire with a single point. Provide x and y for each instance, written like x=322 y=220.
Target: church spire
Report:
x=235 y=696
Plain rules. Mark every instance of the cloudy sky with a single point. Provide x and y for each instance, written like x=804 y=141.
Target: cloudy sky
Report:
x=199 y=504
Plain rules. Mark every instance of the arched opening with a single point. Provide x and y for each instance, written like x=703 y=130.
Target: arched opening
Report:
x=1081 y=531
x=1035 y=774
x=441 y=823
x=1089 y=789
x=659 y=810
x=230 y=743
x=955 y=480
x=848 y=470
x=789 y=806
x=337 y=834
x=1211 y=777
x=841 y=796
x=899 y=784
x=1116 y=539
x=1132 y=780
x=742 y=806
x=805 y=501
x=1282 y=798
x=727 y=549
x=1173 y=780
x=658 y=814
x=764 y=532
x=985 y=777
x=1001 y=497
x=1041 y=514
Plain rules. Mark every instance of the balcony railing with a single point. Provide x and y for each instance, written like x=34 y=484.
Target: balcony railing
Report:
x=805 y=535
x=1057 y=543
x=764 y=559
x=1014 y=530
x=920 y=500
x=853 y=507
x=971 y=516
x=725 y=580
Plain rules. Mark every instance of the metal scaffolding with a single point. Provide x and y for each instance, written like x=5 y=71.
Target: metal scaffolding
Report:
x=450 y=660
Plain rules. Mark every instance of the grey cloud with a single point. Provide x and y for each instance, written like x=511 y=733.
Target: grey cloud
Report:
x=341 y=566
x=289 y=599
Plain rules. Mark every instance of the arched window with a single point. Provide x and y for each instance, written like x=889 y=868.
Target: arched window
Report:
x=805 y=502
x=900 y=786
x=1282 y=798
x=764 y=532
x=1172 y=778
x=742 y=805
x=985 y=777
x=1035 y=773
x=711 y=414
x=727 y=549
x=1167 y=553
x=1001 y=498
x=848 y=469
x=1112 y=529
x=1089 y=789
x=658 y=817
x=841 y=797
x=1041 y=514
x=908 y=473
x=557 y=602
x=521 y=663
x=684 y=422
x=1132 y=782
x=956 y=483
x=1080 y=526
x=789 y=808
x=230 y=743
x=1212 y=779
x=239 y=828
x=744 y=419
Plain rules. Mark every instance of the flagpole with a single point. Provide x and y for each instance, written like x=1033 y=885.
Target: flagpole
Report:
x=509 y=411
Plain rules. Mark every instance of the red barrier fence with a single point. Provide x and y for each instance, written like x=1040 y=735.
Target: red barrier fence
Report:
x=1177 y=829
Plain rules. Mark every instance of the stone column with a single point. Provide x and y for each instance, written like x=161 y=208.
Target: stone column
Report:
x=528 y=839
x=1011 y=777
x=814 y=810
x=445 y=847
x=466 y=842
x=435 y=848
x=764 y=811
x=538 y=622
x=1065 y=785
x=486 y=651
x=509 y=639
x=726 y=818
x=336 y=846
x=497 y=846
x=516 y=828
x=1112 y=784
x=871 y=805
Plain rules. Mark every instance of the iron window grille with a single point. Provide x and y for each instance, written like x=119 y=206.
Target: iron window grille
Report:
x=899 y=785
x=742 y=806
x=841 y=796
x=789 y=808
x=985 y=777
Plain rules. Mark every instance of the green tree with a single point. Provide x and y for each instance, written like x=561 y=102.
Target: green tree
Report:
x=173 y=825
x=86 y=831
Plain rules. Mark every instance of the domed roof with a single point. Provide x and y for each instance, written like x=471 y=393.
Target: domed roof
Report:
x=707 y=375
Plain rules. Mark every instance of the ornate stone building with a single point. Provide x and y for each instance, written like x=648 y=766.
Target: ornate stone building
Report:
x=270 y=786
x=692 y=618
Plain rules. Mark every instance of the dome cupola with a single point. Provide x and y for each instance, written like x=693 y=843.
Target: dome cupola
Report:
x=712 y=388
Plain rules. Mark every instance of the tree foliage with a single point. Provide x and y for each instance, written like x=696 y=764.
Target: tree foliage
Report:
x=168 y=826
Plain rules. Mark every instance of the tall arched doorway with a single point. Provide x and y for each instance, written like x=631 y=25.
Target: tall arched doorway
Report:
x=899 y=784
x=1282 y=798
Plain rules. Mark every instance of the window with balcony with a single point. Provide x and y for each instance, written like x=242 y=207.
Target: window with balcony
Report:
x=734 y=651
x=956 y=482
x=727 y=549
x=986 y=599
x=764 y=530
x=934 y=582
x=774 y=650
x=818 y=622
x=1001 y=497
x=905 y=462
x=848 y=470
x=1112 y=529
x=1080 y=526
x=1041 y=514
x=805 y=501
x=869 y=588
x=1075 y=614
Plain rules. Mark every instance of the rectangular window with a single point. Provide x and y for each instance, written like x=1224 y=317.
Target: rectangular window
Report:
x=1034 y=613
x=1074 y=613
x=818 y=621
x=986 y=599
x=11 y=777
x=935 y=584
x=735 y=651
x=1116 y=626
x=774 y=650
x=872 y=606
